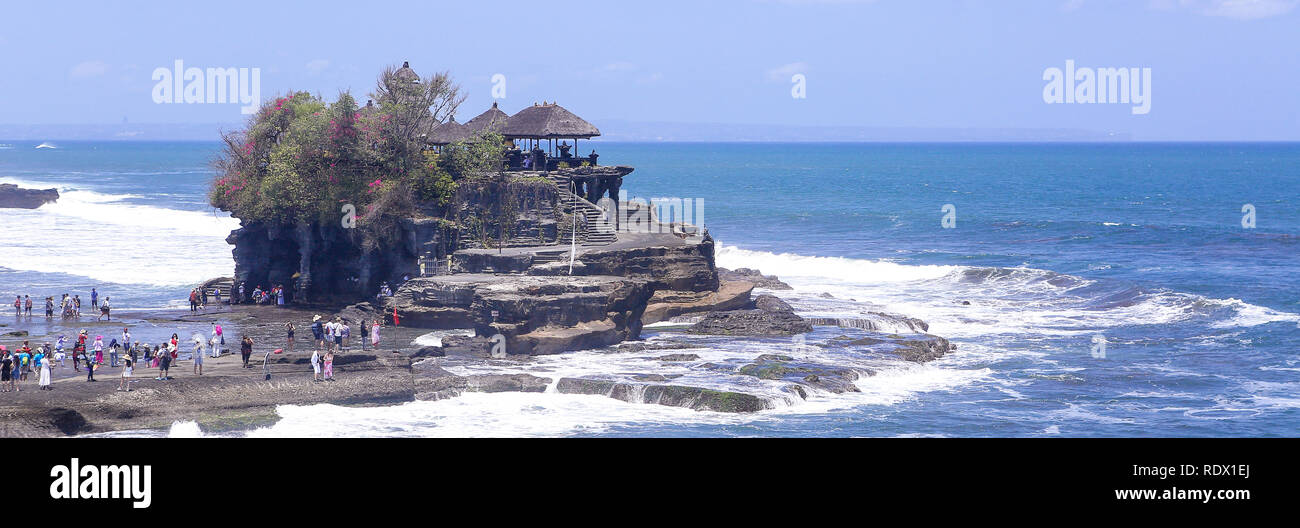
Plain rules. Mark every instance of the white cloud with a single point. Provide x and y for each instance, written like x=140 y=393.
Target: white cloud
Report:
x=88 y=69
x=1072 y=5
x=1238 y=9
x=621 y=66
x=813 y=2
x=783 y=72
x=650 y=78
x=317 y=66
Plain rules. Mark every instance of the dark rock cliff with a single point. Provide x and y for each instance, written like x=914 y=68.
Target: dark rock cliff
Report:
x=12 y=196
x=320 y=263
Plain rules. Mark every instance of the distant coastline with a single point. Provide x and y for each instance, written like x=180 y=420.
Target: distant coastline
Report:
x=615 y=131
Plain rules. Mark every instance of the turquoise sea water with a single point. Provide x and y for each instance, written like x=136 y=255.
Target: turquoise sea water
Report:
x=1057 y=248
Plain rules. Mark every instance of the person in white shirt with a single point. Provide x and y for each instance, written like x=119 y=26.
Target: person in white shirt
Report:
x=315 y=365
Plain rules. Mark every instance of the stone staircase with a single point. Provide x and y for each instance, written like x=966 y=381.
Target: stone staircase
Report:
x=545 y=257
x=597 y=231
x=223 y=284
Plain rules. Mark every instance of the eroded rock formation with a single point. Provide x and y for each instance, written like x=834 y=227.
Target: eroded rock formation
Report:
x=15 y=197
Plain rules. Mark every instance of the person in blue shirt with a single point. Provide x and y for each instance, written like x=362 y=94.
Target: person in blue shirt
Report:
x=38 y=356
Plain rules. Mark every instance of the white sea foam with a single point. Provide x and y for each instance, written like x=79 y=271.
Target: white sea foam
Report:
x=435 y=337
x=105 y=238
x=484 y=415
x=185 y=429
x=1001 y=300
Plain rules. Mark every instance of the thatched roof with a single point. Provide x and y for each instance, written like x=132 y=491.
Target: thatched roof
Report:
x=548 y=120
x=405 y=73
x=448 y=133
x=493 y=118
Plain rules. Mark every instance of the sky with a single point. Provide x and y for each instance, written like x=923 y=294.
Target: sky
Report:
x=1220 y=69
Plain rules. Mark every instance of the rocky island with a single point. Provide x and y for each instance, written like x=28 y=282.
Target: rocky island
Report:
x=485 y=255
x=15 y=197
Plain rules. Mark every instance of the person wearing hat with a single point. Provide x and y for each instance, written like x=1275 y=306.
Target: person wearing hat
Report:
x=44 y=364
x=317 y=331
x=128 y=366
x=218 y=340
x=164 y=366
x=99 y=358
x=79 y=350
x=198 y=355
x=338 y=333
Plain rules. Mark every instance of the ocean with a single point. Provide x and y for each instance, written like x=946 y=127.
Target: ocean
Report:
x=1092 y=290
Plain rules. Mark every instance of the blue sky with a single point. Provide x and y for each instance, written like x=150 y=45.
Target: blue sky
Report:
x=1222 y=69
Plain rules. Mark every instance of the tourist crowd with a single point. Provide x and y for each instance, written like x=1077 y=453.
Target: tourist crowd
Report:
x=93 y=355
x=69 y=306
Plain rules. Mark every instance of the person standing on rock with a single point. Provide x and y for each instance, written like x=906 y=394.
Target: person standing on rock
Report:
x=246 y=349
x=13 y=365
x=241 y=292
x=45 y=373
x=331 y=330
x=26 y=353
x=6 y=364
x=49 y=307
x=94 y=299
x=374 y=333
x=345 y=333
x=329 y=366
x=103 y=310
x=92 y=364
x=78 y=349
x=288 y=329
x=27 y=304
x=18 y=306
x=127 y=368
x=218 y=340
x=363 y=332
x=317 y=331
x=164 y=366
x=198 y=355
x=37 y=356
x=315 y=365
